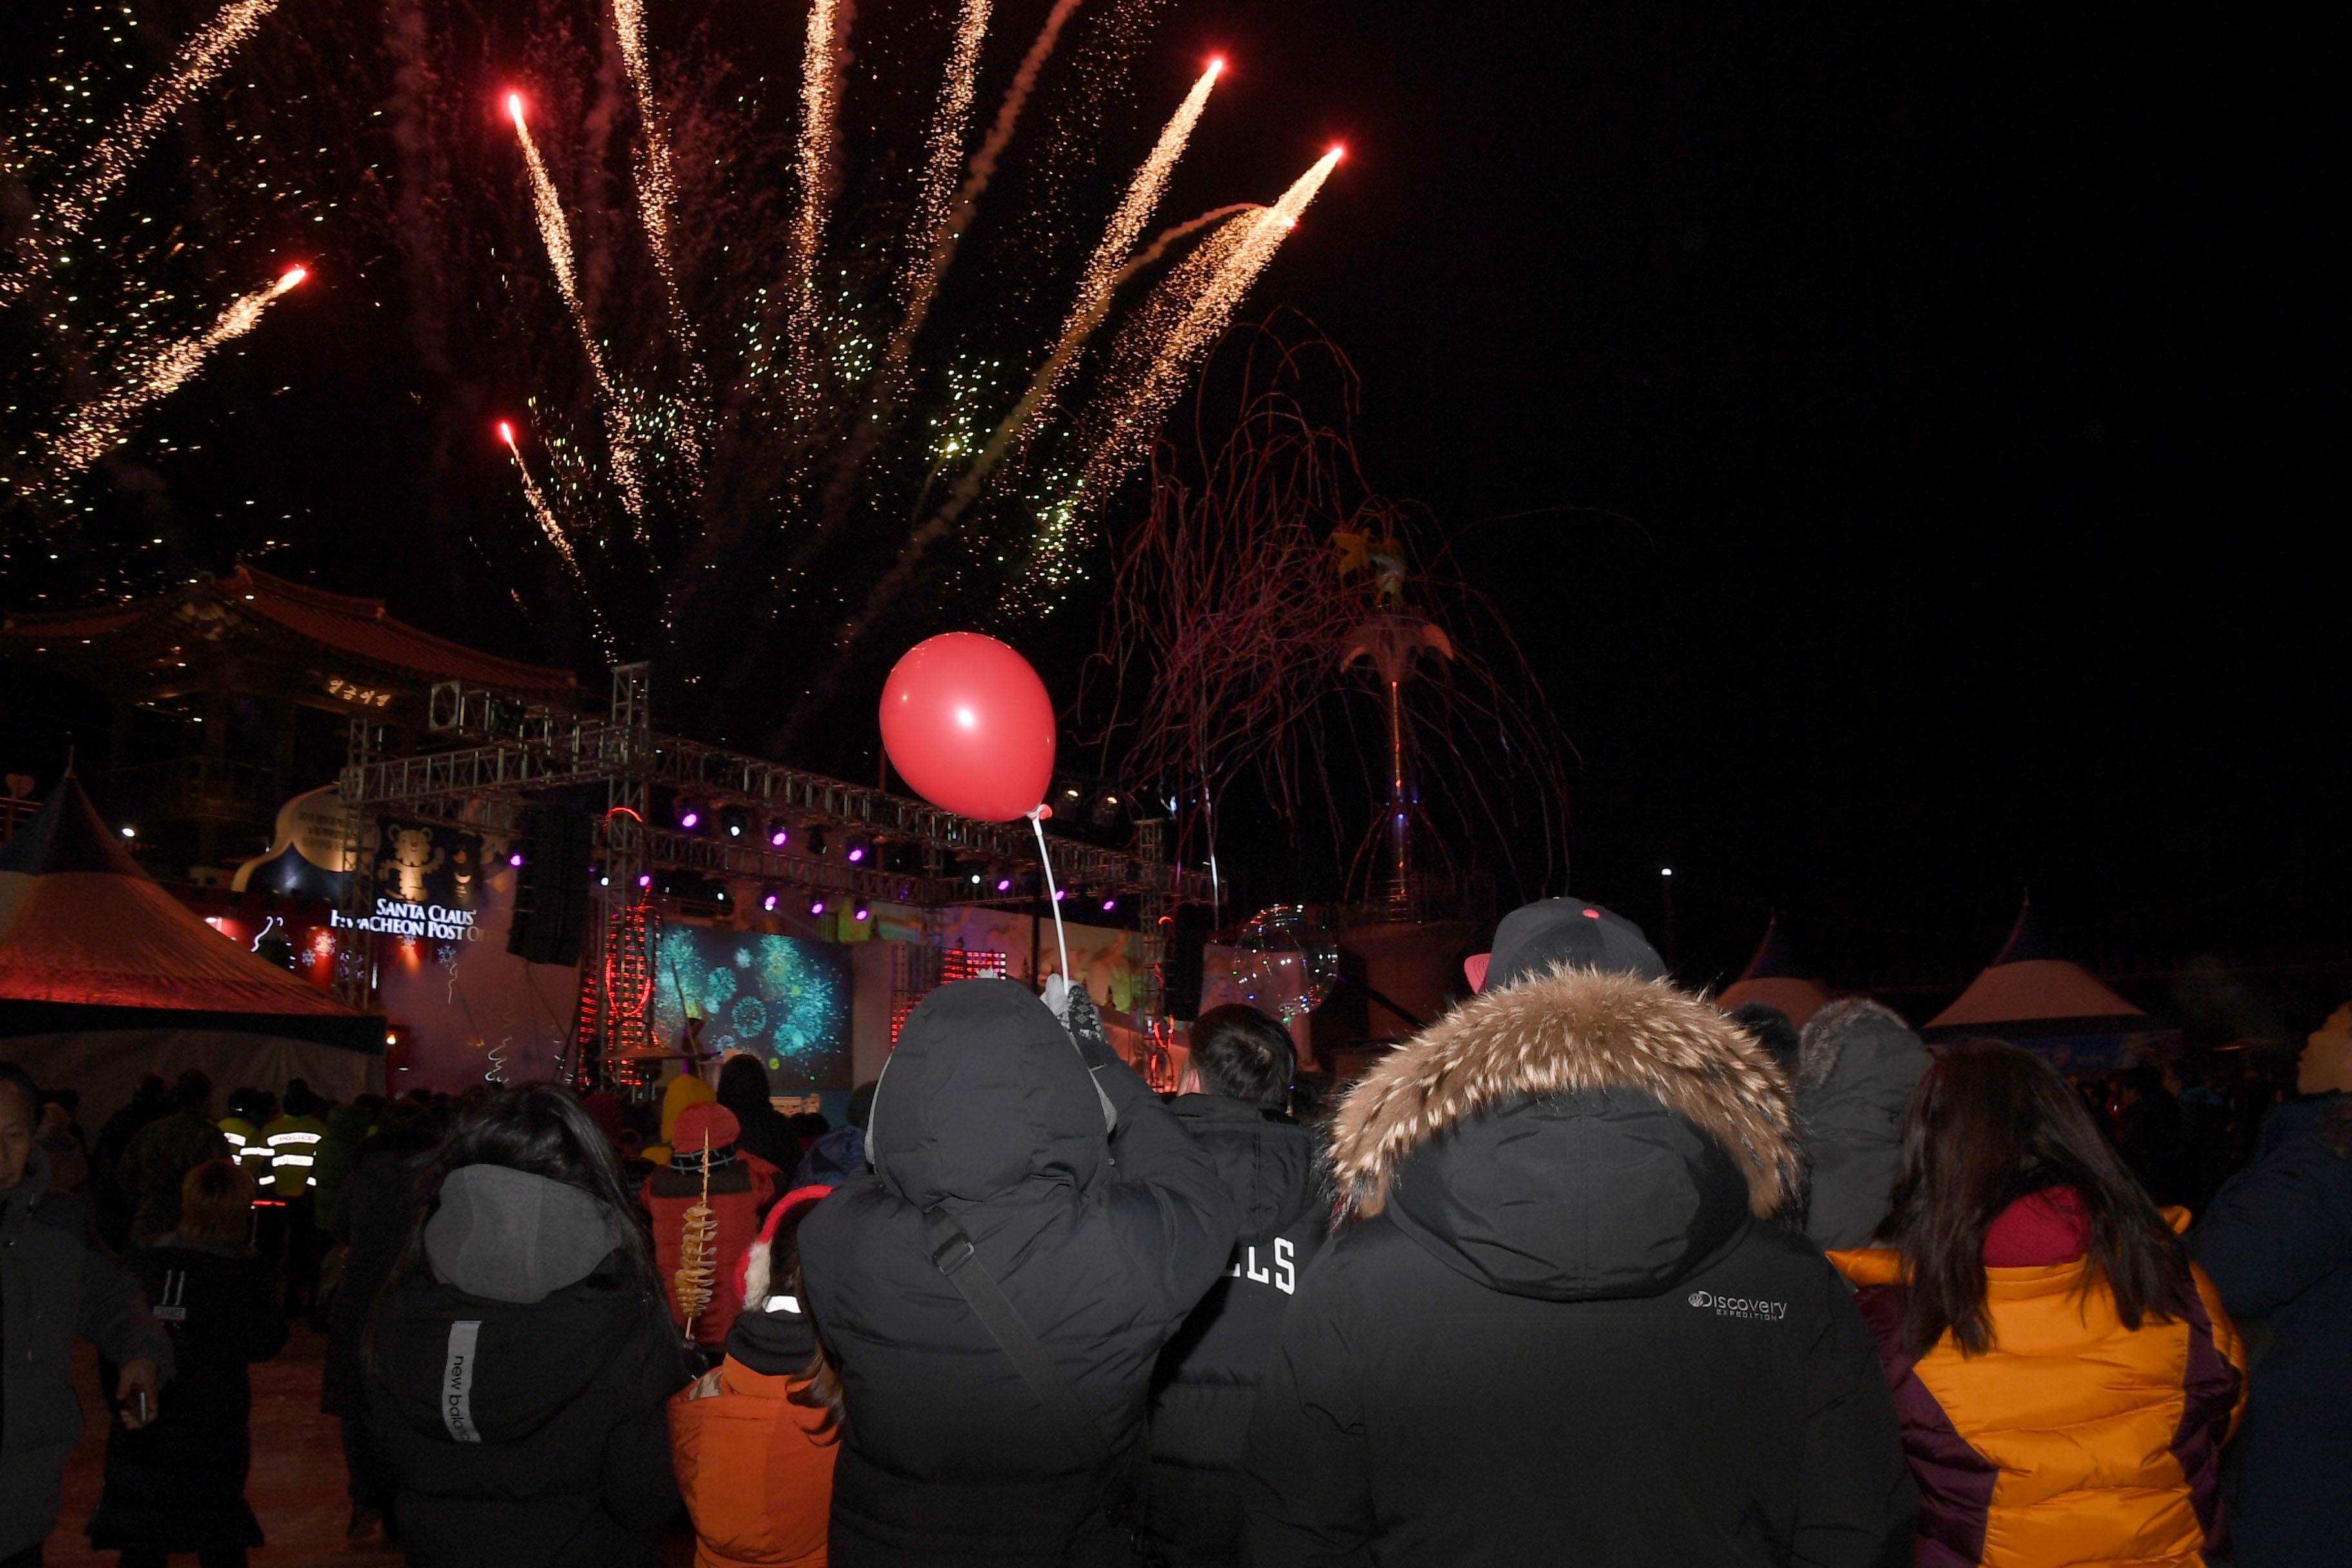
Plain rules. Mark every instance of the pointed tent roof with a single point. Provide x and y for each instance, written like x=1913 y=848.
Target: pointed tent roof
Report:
x=2029 y=984
x=1776 y=975
x=82 y=927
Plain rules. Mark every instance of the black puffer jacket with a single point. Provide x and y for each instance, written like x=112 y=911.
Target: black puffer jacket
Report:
x=1102 y=1245
x=1208 y=1376
x=1554 y=1329
x=520 y=1401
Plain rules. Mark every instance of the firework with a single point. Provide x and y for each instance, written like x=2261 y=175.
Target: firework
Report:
x=97 y=427
x=555 y=231
x=820 y=104
x=545 y=514
x=657 y=200
x=199 y=61
x=932 y=207
x=1142 y=199
x=967 y=200
x=1206 y=316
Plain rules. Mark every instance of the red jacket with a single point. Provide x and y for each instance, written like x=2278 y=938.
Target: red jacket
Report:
x=739 y=1192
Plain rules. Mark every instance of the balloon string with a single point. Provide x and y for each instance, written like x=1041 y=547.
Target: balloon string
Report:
x=1053 y=895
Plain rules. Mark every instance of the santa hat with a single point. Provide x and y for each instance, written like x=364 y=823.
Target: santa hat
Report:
x=772 y=1334
x=758 y=1266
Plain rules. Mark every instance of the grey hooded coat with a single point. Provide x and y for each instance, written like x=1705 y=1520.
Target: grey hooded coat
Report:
x=1855 y=1071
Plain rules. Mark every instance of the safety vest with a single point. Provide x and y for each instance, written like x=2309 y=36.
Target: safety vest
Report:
x=293 y=1143
x=246 y=1148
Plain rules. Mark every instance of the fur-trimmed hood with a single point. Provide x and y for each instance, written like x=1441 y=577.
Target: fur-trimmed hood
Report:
x=1577 y=1135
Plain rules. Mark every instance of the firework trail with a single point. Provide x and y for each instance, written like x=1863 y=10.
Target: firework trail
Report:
x=199 y=61
x=553 y=530
x=1207 y=317
x=657 y=201
x=97 y=427
x=555 y=231
x=967 y=202
x=947 y=142
x=1142 y=199
x=1040 y=386
x=820 y=108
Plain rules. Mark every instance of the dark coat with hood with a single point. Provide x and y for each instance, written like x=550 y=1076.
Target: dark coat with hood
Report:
x=54 y=1283
x=1101 y=1244
x=178 y=1484
x=519 y=1381
x=1556 y=1324
x=378 y=1209
x=1856 y=1067
x=1207 y=1381
x=2277 y=1241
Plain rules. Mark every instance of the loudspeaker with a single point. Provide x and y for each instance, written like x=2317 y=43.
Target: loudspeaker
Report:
x=1186 y=966
x=553 y=894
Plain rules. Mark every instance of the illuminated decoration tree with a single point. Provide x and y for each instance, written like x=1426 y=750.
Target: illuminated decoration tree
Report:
x=1267 y=573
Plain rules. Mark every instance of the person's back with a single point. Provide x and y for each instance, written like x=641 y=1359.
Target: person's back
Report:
x=520 y=1363
x=178 y=1484
x=162 y=1154
x=734 y=1189
x=988 y=1123
x=1554 y=1325
x=1857 y=1062
x=755 y=1438
x=292 y=1138
x=2277 y=1240
x=1206 y=1383
x=2066 y=1378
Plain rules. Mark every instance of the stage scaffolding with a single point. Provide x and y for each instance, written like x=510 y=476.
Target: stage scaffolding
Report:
x=505 y=753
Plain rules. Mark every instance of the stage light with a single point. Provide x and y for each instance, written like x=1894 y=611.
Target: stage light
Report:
x=816 y=841
x=515 y=858
x=129 y=831
x=644 y=878
x=733 y=820
x=857 y=849
x=1005 y=884
x=689 y=813
x=1665 y=870
x=863 y=914
x=1110 y=904
x=770 y=897
x=604 y=878
x=975 y=879
x=779 y=832
x=816 y=906
x=1061 y=893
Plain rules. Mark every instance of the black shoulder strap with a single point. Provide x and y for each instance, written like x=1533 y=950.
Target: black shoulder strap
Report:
x=952 y=1255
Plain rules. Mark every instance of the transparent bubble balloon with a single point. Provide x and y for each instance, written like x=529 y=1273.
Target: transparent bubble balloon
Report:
x=1285 y=963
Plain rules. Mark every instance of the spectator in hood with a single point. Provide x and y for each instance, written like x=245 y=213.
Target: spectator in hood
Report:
x=1240 y=1072
x=1855 y=1069
x=522 y=1357
x=1556 y=1323
x=765 y=1134
x=754 y=1438
x=2066 y=1378
x=1022 y=1168
x=2278 y=1242
x=178 y=1484
x=839 y=1154
x=1773 y=1029
x=53 y=1283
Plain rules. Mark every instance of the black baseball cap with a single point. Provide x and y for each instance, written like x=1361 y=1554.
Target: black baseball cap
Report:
x=1536 y=938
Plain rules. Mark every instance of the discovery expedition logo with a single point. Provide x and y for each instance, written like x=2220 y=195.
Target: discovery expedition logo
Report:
x=1740 y=1307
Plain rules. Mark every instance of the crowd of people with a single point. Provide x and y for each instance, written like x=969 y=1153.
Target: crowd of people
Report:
x=1587 y=1272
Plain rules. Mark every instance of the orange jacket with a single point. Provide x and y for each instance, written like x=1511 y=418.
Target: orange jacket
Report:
x=756 y=1475
x=2072 y=1440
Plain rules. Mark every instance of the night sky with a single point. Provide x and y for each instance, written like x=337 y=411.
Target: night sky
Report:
x=1895 y=439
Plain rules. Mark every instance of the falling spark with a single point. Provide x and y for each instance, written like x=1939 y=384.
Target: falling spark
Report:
x=199 y=61
x=555 y=231
x=967 y=203
x=820 y=105
x=1034 y=400
x=553 y=530
x=932 y=207
x=1210 y=312
x=99 y=427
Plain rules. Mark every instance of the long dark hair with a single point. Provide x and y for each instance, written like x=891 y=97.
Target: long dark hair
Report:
x=545 y=1131
x=1988 y=1124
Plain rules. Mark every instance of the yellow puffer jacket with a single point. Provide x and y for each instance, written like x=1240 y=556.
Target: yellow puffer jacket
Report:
x=2073 y=1440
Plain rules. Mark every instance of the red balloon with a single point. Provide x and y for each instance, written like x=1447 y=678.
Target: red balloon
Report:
x=970 y=728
